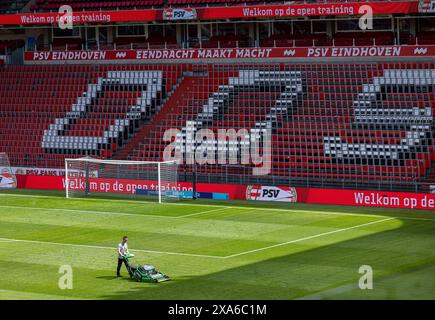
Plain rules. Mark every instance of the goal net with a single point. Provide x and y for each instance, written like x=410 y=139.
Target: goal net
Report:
x=157 y=181
x=7 y=175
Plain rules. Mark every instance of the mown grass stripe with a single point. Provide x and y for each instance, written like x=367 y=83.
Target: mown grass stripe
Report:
x=206 y=256
x=307 y=238
x=222 y=208
x=111 y=248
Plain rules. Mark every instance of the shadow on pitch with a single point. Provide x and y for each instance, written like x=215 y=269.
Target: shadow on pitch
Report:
x=303 y=273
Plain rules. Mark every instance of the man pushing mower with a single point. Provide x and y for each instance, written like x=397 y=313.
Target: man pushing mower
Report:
x=144 y=273
x=123 y=256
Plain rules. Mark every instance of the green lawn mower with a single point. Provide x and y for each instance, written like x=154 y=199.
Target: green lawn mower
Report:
x=144 y=273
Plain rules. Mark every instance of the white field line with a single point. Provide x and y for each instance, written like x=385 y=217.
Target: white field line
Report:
x=307 y=238
x=110 y=212
x=232 y=207
x=111 y=200
x=90 y=211
x=204 y=212
x=111 y=248
x=200 y=255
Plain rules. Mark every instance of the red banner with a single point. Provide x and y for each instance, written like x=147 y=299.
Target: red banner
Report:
x=82 y=17
x=366 y=198
x=307 y=10
x=212 y=13
x=362 y=198
x=231 y=53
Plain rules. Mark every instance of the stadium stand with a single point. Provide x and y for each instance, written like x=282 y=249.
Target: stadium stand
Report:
x=228 y=41
x=324 y=130
x=67 y=44
x=423 y=38
x=356 y=125
x=10 y=45
x=30 y=100
x=349 y=124
x=53 y=5
x=12 y=6
x=70 y=108
x=339 y=39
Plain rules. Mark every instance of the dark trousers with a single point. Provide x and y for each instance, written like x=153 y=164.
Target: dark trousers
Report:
x=120 y=261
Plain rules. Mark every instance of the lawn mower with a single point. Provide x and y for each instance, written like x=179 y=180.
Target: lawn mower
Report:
x=144 y=273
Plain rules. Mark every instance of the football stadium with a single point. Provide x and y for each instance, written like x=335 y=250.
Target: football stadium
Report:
x=217 y=150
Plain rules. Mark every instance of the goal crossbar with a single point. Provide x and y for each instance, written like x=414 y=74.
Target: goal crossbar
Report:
x=91 y=160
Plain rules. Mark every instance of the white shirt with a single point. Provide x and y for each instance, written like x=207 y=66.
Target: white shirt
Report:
x=122 y=249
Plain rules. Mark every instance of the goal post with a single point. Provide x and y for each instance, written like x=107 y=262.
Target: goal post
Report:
x=150 y=180
x=8 y=180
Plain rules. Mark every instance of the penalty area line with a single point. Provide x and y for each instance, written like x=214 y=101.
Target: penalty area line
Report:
x=204 y=212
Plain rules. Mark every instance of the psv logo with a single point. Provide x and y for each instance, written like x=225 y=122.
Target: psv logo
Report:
x=179 y=14
x=271 y=193
x=426 y=6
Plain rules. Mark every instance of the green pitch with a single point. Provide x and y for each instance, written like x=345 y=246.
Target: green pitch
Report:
x=235 y=250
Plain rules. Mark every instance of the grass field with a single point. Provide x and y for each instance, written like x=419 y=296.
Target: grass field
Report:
x=219 y=250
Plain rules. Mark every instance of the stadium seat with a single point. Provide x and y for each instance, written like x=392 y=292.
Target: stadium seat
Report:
x=357 y=124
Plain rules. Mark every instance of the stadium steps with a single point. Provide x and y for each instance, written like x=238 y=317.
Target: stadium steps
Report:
x=171 y=101
x=29 y=5
x=431 y=176
x=183 y=105
x=31 y=99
